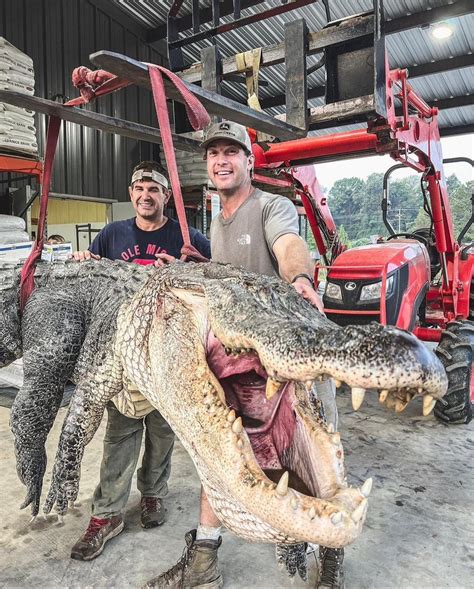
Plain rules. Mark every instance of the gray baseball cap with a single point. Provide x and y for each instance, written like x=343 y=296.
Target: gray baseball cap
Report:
x=228 y=130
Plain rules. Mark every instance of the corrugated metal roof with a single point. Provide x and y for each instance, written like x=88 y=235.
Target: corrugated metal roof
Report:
x=405 y=48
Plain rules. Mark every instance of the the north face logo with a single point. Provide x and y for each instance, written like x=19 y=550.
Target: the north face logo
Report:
x=224 y=126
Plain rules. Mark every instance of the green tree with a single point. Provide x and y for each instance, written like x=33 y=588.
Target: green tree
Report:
x=460 y=200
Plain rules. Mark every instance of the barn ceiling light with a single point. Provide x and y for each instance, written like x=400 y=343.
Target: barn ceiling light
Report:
x=442 y=31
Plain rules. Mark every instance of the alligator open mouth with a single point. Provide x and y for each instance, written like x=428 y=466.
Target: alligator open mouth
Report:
x=268 y=413
x=296 y=455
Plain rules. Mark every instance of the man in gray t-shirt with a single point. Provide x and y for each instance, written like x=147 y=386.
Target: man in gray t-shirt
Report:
x=259 y=232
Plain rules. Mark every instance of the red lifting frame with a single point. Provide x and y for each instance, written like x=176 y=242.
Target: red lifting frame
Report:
x=21 y=165
x=412 y=139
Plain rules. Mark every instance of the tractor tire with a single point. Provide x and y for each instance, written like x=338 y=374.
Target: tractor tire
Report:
x=456 y=352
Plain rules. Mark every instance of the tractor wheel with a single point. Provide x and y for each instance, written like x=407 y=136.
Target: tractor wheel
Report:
x=456 y=352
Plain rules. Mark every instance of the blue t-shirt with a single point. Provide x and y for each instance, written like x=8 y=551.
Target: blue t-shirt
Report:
x=123 y=240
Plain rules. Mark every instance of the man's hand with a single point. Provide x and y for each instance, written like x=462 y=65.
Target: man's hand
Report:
x=163 y=260
x=303 y=287
x=83 y=256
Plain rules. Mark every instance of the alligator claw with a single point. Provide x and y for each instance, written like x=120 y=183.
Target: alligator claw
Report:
x=292 y=557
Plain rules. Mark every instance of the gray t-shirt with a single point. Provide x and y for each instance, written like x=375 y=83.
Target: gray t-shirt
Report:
x=246 y=238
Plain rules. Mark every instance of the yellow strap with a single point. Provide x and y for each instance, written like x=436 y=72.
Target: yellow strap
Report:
x=249 y=62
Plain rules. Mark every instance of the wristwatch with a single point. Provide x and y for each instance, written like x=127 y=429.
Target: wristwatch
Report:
x=303 y=275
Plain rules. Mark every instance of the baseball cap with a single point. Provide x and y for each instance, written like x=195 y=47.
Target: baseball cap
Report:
x=228 y=130
x=151 y=176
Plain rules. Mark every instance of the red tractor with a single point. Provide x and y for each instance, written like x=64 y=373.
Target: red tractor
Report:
x=421 y=281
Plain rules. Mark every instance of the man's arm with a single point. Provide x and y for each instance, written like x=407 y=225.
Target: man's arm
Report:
x=293 y=258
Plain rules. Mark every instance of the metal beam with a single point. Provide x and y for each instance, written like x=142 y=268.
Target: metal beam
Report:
x=205 y=15
x=457 y=130
x=219 y=29
x=347 y=29
x=442 y=65
x=414 y=71
x=137 y=72
x=429 y=17
x=94 y=120
x=453 y=102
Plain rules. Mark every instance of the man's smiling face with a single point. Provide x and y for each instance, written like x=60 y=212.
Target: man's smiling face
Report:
x=228 y=166
x=148 y=199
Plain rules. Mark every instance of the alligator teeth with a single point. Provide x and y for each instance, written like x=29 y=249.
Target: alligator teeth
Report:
x=366 y=488
x=294 y=503
x=359 y=511
x=358 y=395
x=309 y=385
x=312 y=513
x=336 y=518
x=400 y=405
x=330 y=428
x=336 y=439
x=428 y=404
x=271 y=388
x=420 y=390
x=231 y=416
x=383 y=395
x=237 y=426
x=338 y=383
x=282 y=487
x=240 y=444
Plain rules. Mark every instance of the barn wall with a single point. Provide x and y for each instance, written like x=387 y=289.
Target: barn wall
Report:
x=59 y=35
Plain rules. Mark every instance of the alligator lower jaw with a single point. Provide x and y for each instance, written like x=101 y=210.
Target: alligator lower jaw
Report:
x=285 y=462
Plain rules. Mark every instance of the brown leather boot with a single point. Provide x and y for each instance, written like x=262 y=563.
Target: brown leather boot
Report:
x=331 y=572
x=152 y=512
x=98 y=532
x=197 y=568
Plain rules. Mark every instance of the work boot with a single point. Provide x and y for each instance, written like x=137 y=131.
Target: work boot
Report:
x=98 y=532
x=152 y=512
x=331 y=573
x=197 y=568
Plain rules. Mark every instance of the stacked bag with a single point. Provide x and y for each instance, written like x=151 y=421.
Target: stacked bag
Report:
x=12 y=230
x=191 y=166
x=17 y=125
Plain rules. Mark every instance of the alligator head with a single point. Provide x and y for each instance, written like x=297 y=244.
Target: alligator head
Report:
x=228 y=358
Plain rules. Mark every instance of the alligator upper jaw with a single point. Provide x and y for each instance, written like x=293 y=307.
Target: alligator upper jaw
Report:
x=391 y=361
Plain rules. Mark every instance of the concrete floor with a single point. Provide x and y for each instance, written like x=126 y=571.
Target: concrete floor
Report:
x=419 y=530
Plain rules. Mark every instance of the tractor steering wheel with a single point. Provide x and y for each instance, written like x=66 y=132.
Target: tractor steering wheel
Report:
x=415 y=236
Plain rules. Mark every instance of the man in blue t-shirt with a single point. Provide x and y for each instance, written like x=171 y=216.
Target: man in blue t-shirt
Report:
x=148 y=238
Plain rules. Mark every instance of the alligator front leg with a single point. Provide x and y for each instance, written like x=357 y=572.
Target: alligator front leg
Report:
x=50 y=353
x=83 y=418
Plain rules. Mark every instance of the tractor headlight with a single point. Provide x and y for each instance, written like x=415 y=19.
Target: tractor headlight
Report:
x=371 y=292
x=333 y=291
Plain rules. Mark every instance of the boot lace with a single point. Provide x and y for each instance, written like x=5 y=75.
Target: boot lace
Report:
x=177 y=570
x=150 y=504
x=95 y=525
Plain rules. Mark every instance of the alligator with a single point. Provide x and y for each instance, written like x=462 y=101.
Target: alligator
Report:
x=228 y=357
